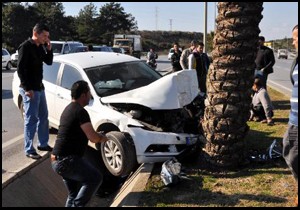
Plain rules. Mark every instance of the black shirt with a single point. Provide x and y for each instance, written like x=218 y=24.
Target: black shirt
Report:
x=265 y=59
x=71 y=140
x=30 y=64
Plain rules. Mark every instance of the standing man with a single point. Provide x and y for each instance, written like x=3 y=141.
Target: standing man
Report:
x=290 y=139
x=175 y=58
x=32 y=53
x=80 y=177
x=199 y=60
x=184 y=62
x=264 y=61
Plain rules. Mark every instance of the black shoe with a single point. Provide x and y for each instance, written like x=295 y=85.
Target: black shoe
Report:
x=34 y=156
x=46 y=148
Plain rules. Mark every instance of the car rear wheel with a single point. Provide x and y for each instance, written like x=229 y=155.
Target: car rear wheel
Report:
x=8 y=66
x=118 y=153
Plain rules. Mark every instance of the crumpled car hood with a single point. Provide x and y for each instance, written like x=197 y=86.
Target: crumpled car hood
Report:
x=172 y=91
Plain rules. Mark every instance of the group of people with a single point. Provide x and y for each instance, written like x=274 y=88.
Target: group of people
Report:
x=80 y=177
x=192 y=58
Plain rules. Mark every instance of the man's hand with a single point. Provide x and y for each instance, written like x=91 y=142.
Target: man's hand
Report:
x=29 y=93
x=103 y=137
x=48 y=45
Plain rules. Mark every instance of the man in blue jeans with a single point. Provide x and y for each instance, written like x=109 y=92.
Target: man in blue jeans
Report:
x=290 y=139
x=81 y=178
x=32 y=53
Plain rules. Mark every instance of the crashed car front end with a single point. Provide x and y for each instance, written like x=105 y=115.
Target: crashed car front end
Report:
x=166 y=115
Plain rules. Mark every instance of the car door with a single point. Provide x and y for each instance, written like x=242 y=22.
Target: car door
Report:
x=50 y=80
x=68 y=75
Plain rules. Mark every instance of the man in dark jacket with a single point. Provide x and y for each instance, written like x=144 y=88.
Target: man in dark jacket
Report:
x=175 y=58
x=264 y=61
x=32 y=53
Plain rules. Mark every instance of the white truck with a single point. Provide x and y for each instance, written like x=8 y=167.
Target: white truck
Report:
x=130 y=43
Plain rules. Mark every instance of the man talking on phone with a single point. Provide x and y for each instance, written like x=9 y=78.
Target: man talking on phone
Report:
x=32 y=53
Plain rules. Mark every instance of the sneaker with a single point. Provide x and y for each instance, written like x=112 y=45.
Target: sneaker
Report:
x=34 y=155
x=46 y=148
x=271 y=123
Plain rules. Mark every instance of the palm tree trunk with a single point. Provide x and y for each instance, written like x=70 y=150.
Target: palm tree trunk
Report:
x=229 y=82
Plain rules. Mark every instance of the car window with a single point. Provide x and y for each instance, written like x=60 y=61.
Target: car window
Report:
x=4 y=52
x=66 y=49
x=56 y=47
x=70 y=75
x=50 y=72
x=116 y=78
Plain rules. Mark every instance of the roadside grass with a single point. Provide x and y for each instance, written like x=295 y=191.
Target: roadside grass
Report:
x=257 y=184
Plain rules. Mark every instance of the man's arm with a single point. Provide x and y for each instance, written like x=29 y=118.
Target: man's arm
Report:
x=271 y=59
x=183 y=60
x=91 y=134
x=22 y=67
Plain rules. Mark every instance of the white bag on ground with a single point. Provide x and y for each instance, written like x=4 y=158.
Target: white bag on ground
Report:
x=170 y=172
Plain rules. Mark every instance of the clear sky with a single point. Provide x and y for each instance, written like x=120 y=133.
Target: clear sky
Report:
x=278 y=17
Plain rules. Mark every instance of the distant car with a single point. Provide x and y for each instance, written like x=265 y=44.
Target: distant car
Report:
x=64 y=47
x=79 y=49
x=118 y=50
x=147 y=117
x=102 y=49
x=282 y=53
x=14 y=59
x=6 y=59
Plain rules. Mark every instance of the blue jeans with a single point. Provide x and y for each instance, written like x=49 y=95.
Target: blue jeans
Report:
x=290 y=149
x=80 y=177
x=35 y=120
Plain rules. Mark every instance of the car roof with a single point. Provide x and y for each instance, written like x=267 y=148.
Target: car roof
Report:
x=62 y=42
x=91 y=58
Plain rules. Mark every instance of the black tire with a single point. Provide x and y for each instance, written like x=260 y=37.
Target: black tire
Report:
x=8 y=66
x=118 y=154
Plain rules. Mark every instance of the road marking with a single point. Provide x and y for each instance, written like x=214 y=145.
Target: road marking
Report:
x=12 y=141
x=288 y=89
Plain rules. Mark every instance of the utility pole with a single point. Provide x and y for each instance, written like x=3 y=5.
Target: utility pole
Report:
x=205 y=26
x=171 y=24
x=156 y=18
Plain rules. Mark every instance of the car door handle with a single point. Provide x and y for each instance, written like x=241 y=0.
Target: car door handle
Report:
x=59 y=96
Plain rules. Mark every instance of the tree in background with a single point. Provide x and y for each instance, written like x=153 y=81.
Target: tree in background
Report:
x=86 y=25
x=16 y=24
x=113 y=20
x=229 y=81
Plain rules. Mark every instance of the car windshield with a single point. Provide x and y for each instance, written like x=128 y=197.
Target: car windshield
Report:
x=123 y=42
x=121 y=77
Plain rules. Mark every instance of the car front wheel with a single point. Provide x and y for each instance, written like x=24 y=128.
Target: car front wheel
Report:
x=118 y=153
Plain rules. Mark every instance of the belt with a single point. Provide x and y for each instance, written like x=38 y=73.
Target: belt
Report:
x=58 y=157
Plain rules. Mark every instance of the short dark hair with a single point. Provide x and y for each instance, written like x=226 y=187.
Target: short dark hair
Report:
x=201 y=44
x=258 y=82
x=176 y=43
x=261 y=38
x=79 y=88
x=295 y=27
x=194 y=42
x=40 y=27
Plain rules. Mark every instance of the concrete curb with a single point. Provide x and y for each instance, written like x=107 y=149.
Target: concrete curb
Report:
x=8 y=180
x=130 y=192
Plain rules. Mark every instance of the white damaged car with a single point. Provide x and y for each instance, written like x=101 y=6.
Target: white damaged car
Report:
x=147 y=117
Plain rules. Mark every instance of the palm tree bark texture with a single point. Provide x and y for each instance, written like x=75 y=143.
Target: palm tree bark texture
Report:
x=229 y=81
